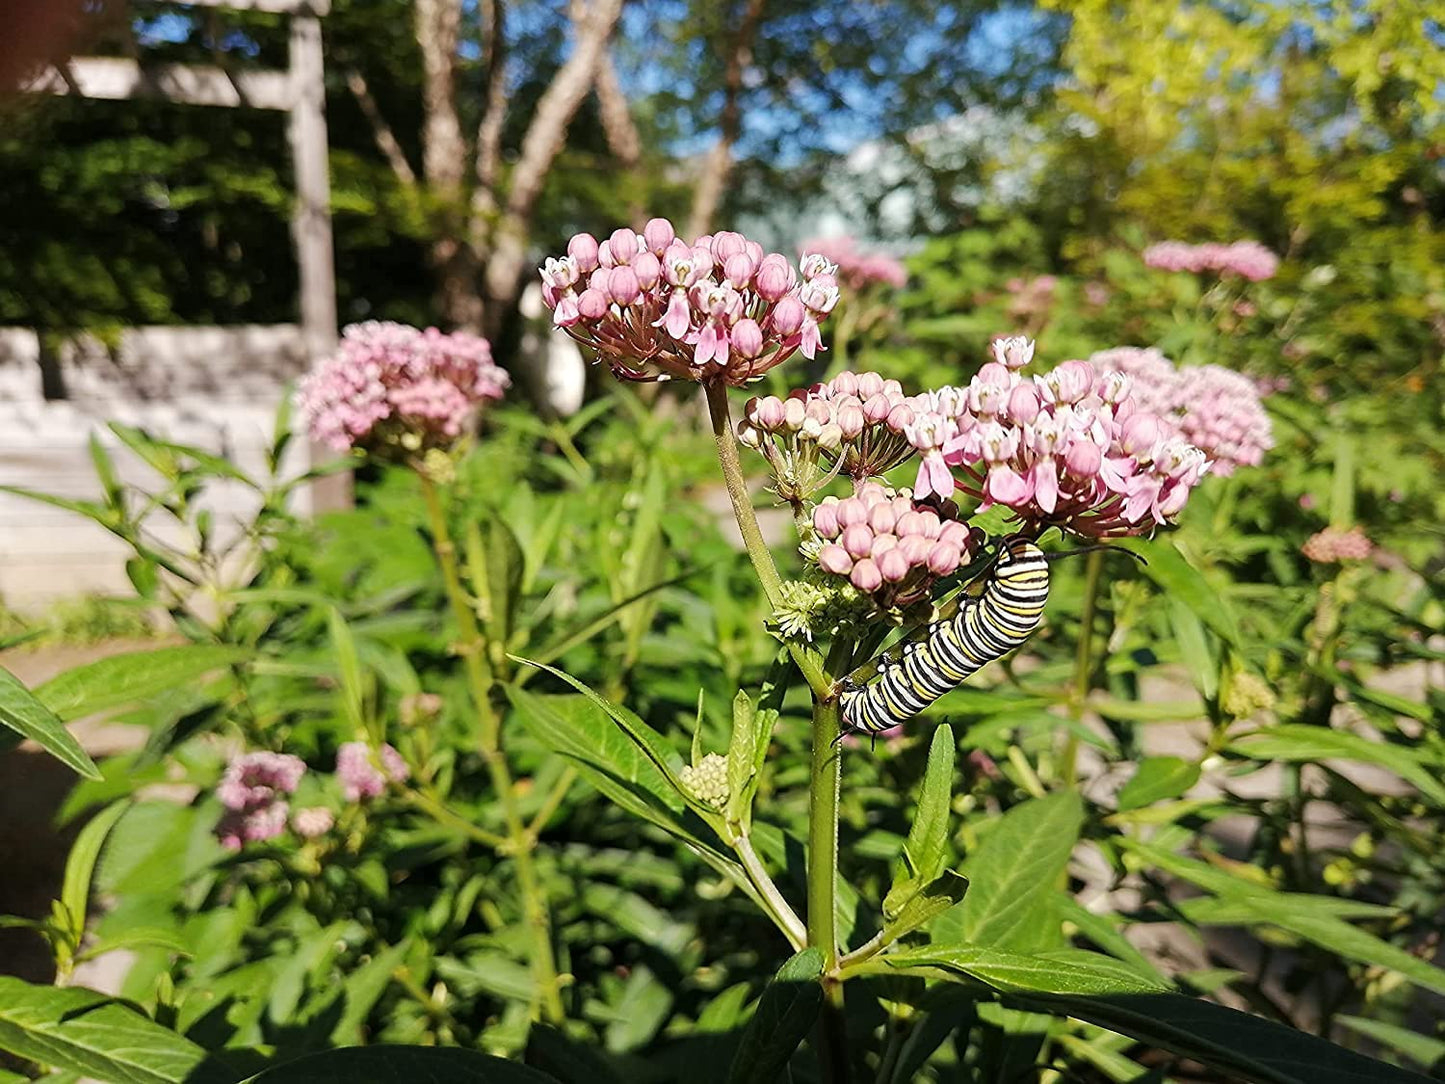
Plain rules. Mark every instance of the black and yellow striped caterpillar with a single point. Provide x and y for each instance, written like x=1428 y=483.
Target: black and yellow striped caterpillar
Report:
x=985 y=627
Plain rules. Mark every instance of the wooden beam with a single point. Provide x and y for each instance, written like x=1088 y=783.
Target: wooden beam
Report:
x=119 y=79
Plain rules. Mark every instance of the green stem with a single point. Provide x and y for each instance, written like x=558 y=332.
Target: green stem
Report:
x=479 y=682
x=1083 y=663
x=782 y=914
x=825 y=790
x=807 y=661
x=438 y=810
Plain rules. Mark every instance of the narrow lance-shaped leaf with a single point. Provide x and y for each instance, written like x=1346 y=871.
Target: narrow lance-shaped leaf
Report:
x=125 y=679
x=926 y=850
x=80 y=865
x=27 y=715
x=784 y=1016
x=740 y=759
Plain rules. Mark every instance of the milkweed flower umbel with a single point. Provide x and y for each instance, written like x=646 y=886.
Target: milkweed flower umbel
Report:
x=890 y=546
x=394 y=387
x=654 y=307
x=253 y=790
x=1247 y=259
x=1335 y=544
x=856 y=269
x=1068 y=449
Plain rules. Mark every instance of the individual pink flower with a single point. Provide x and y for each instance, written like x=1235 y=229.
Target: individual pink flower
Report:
x=1335 y=544
x=889 y=545
x=1069 y=449
x=391 y=387
x=654 y=307
x=364 y=774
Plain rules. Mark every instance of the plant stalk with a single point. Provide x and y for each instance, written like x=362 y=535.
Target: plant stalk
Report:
x=826 y=780
x=479 y=682
x=1083 y=663
x=782 y=913
x=807 y=660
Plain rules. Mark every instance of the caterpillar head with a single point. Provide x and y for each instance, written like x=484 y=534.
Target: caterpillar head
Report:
x=1020 y=562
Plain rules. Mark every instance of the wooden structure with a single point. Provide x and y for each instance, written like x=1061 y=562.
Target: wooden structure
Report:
x=172 y=381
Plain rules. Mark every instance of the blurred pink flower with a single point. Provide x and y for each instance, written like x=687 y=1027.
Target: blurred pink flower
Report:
x=253 y=780
x=365 y=775
x=393 y=385
x=856 y=270
x=313 y=822
x=1247 y=259
x=236 y=828
x=1334 y=544
x=654 y=307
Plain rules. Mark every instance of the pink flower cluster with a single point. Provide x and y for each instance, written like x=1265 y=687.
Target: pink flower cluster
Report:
x=1334 y=544
x=654 y=307
x=1214 y=408
x=366 y=775
x=890 y=546
x=860 y=421
x=253 y=791
x=393 y=385
x=856 y=270
x=1069 y=449
x=1247 y=259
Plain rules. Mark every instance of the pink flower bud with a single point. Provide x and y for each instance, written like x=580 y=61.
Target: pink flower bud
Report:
x=857 y=540
x=1014 y=352
x=876 y=408
x=835 y=559
x=910 y=525
x=648 y=270
x=775 y=277
x=844 y=384
x=915 y=548
x=882 y=519
x=739 y=269
x=1083 y=459
x=1140 y=433
x=592 y=304
x=1023 y=404
x=583 y=249
x=900 y=417
x=818 y=410
x=566 y=313
x=869 y=384
x=747 y=338
x=955 y=534
x=622 y=286
x=893 y=566
x=768 y=413
x=623 y=243
x=658 y=233
x=830 y=437
x=793 y=414
x=852 y=511
x=726 y=243
x=1069 y=383
x=865 y=576
x=788 y=315
x=943 y=558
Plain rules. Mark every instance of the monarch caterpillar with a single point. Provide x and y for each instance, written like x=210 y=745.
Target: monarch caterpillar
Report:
x=985 y=627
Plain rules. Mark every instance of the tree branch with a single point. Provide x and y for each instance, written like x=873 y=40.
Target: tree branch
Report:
x=623 y=138
x=489 y=130
x=381 y=132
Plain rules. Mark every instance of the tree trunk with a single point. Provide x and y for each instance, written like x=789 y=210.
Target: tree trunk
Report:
x=622 y=136
x=718 y=164
x=505 y=255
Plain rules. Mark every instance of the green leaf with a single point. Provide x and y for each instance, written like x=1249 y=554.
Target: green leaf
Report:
x=1101 y=930
x=136 y=675
x=348 y=666
x=1227 y=1040
x=1428 y=1051
x=495 y=564
x=96 y=1036
x=363 y=989
x=26 y=714
x=937 y=897
x=400 y=1065
x=1300 y=742
x=1177 y=577
x=80 y=866
x=926 y=851
x=1072 y=972
x=105 y=471
x=740 y=759
x=1014 y=875
x=1156 y=779
x=784 y=1016
x=1194 y=648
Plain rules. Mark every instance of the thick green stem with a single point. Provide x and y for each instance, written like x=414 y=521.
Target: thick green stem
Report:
x=826 y=780
x=1083 y=663
x=807 y=661
x=782 y=914
x=479 y=682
